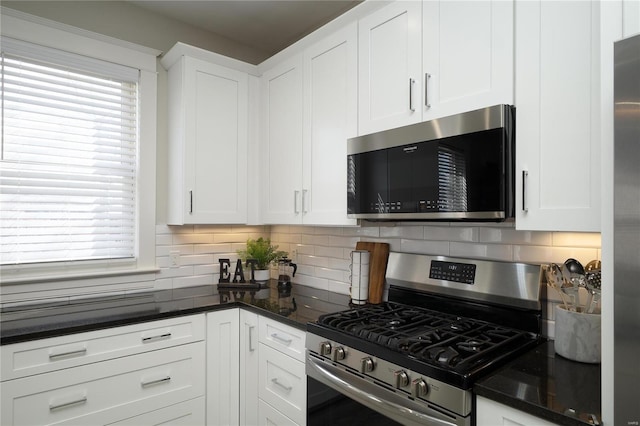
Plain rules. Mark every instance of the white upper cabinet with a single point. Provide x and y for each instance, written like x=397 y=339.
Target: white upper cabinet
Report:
x=390 y=64
x=309 y=111
x=207 y=156
x=563 y=109
x=423 y=60
x=281 y=159
x=631 y=17
x=467 y=56
x=330 y=118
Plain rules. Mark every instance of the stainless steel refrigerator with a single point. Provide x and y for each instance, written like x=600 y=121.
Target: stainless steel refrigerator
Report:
x=626 y=234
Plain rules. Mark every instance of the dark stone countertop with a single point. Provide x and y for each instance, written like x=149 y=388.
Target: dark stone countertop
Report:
x=540 y=382
x=546 y=385
x=294 y=305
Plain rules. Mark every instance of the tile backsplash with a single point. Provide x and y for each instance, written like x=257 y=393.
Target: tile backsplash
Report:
x=322 y=253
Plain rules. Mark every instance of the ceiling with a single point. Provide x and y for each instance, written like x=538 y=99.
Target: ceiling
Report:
x=266 y=26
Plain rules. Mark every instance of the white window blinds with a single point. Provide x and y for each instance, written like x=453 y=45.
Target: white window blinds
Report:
x=68 y=157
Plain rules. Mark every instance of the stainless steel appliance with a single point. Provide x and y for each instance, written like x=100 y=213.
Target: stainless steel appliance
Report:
x=626 y=236
x=415 y=358
x=454 y=168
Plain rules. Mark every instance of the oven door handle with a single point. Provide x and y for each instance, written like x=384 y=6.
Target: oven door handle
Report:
x=398 y=408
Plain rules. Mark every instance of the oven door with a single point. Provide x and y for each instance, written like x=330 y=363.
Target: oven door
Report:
x=339 y=397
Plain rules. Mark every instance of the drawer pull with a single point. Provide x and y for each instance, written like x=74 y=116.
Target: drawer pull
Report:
x=155 y=382
x=156 y=338
x=54 y=407
x=281 y=339
x=277 y=383
x=68 y=354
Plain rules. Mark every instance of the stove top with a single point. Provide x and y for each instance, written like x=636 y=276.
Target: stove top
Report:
x=447 y=347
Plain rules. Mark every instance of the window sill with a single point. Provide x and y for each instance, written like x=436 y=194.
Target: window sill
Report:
x=75 y=276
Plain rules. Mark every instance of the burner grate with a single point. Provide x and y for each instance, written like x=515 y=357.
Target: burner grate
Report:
x=436 y=338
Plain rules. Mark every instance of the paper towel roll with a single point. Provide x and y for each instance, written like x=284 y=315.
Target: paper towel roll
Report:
x=359 y=276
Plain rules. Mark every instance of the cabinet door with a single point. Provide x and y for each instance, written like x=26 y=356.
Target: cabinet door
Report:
x=631 y=17
x=561 y=103
x=282 y=144
x=330 y=107
x=223 y=366
x=491 y=413
x=467 y=55
x=390 y=62
x=248 y=368
x=208 y=143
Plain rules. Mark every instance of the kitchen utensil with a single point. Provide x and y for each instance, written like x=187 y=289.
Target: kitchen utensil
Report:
x=576 y=271
x=555 y=281
x=377 y=268
x=592 y=266
x=568 y=287
x=286 y=270
x=593 y=282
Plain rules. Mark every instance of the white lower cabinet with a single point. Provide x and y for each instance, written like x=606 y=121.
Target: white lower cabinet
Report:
x=270 y=416
x=283 y=383
x=118 y=389
x=249 y=368
x=492 y=413
x=223 y=367
x=182 y=414
x=272 y=373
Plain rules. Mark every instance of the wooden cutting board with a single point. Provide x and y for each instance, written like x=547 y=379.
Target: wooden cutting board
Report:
x=378 y=257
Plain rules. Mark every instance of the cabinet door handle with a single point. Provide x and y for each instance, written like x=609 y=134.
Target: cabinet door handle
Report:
x=156 y=338
x=146 y=384
x=525 y=177
x=60 y=406
x=251 y=348
x=295 y=201
x=304 y=201
x=427 y=77
x=68 y=354
x=281 y=339
x=276 y=382
x=191 y=202
x=411 y=83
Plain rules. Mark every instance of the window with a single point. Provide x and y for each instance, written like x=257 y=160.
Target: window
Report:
x=69 y=143
x=77 y=159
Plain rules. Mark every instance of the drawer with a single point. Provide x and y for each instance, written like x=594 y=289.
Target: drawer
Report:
x=51 y=354
x=268 y=415
x=281 y=337
x=183 y=414
x=135 y=385
x=283 y=383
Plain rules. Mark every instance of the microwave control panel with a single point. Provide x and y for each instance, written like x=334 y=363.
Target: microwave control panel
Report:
x=451 y=271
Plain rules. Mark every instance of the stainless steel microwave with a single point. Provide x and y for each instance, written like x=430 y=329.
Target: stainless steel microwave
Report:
x=455 y=168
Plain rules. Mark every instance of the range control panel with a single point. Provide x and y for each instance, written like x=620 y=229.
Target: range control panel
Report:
x=458 y=272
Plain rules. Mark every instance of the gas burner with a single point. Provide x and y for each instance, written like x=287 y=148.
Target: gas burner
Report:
x=443 y=355
x=474 y=344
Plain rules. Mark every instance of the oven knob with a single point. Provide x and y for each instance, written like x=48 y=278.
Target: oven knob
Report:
x=419 y=388
x=339 y=353
x=402 y=378
x=325 y=348
x=367 y=365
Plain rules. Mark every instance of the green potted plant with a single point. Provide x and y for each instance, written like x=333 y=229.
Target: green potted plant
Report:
x=264 y=253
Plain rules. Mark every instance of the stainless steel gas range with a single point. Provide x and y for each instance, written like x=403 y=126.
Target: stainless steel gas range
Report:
x=415 y=358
